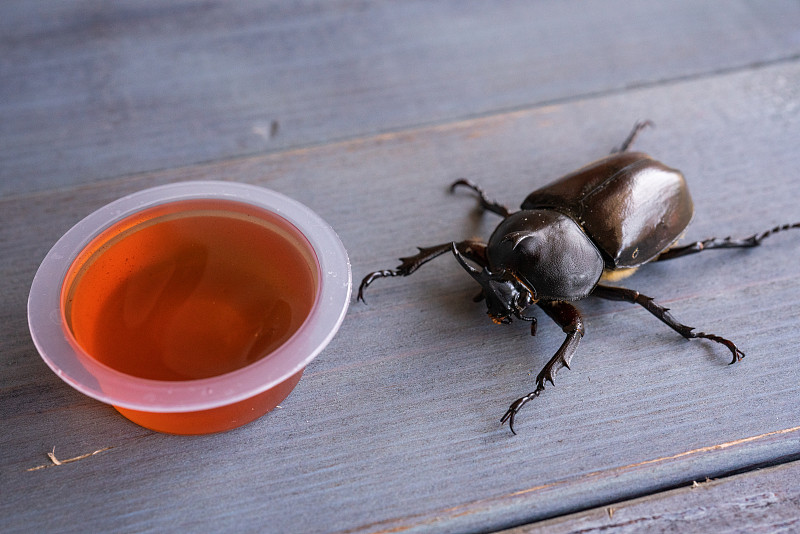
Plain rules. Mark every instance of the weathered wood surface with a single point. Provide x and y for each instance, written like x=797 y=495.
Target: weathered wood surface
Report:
x=395 y=426
x=95 y=90
x=760 y=501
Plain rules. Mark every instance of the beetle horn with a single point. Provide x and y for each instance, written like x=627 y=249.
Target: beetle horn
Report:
x=479 y=276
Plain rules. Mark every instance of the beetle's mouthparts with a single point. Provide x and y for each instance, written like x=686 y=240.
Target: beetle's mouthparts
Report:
x=500 y=320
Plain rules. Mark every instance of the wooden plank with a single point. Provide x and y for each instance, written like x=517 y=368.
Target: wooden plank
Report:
x=395 y=427
x=765 y=500
x=96 y=90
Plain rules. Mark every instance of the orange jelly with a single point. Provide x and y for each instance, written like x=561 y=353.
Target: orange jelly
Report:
x=190 y=290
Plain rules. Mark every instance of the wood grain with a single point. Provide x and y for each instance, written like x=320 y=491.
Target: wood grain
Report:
x=92 y=90
x=395 y=426
x=761 y=501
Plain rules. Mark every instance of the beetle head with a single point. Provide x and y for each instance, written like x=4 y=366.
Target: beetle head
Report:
x=504 y=292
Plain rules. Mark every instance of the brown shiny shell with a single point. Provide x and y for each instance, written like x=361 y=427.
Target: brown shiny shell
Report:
x=630 y=205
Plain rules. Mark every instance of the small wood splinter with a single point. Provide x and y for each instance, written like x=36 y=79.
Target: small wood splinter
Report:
x=57 y=462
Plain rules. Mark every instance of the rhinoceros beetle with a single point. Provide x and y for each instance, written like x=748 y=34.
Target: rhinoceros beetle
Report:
x=597 y=224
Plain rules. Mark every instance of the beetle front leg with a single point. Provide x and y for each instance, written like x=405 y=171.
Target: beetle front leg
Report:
x=714 y=243
x=489 y=205
x=474 y=250
x=634 y=297
x=571 y=322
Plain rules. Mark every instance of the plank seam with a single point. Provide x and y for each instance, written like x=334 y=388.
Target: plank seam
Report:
x=394 y=133
x=475 y=506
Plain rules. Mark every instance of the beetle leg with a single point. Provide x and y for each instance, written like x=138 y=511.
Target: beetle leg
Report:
x=571 y=322
x=534 y=325
x=634 y=297
x=638 y=127
x=485 y=203
x=709 y=244
x=474 y=250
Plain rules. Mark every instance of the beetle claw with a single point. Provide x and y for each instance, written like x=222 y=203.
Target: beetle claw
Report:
x=517 y=405
x=371 y=278
x=511 y=414
x=737 y=355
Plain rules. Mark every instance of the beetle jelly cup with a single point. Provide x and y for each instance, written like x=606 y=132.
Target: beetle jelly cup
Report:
x=157 y=303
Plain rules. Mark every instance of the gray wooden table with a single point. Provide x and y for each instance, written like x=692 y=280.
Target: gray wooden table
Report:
x=365 y=112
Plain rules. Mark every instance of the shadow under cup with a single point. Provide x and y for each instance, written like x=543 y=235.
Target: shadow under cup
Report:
x=196 y=313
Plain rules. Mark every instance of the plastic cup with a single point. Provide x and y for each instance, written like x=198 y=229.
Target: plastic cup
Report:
x=106 y=315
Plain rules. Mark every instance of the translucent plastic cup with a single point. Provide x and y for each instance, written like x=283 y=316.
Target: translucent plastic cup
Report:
x=193 y=307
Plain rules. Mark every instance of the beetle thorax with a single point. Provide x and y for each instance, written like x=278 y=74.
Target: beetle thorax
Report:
x=548 y=253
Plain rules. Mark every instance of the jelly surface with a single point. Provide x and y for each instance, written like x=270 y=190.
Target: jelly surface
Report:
x=190 y=290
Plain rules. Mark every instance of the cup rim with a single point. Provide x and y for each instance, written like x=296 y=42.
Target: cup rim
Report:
x=70 y=362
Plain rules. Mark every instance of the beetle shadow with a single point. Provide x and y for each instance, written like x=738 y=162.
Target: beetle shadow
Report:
x=479 y=221
x=476 y=221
